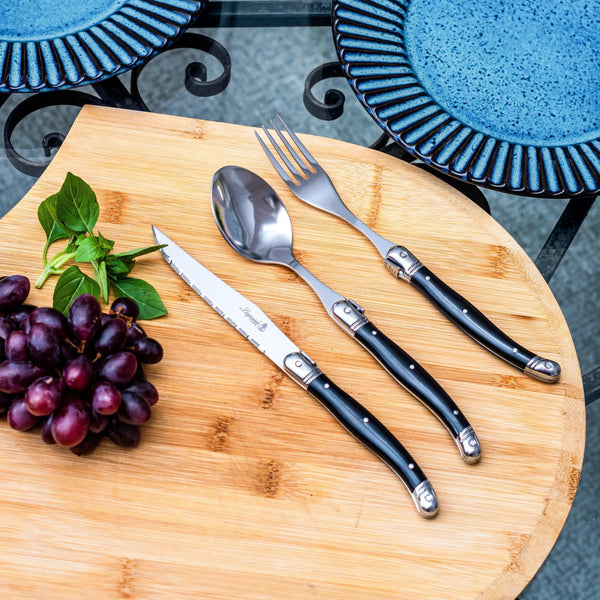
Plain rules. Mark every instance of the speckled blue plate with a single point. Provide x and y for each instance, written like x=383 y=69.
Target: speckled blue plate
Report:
x=500 y=93
x=54 y=44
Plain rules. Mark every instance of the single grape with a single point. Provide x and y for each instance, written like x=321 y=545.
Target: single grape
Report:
x=19 y=315
x=134 y=333
x=134 y=409
x=16 y=376
x=144 y=389
x=106 y=398
x=67 y=352
x=78 y=374
x=43 y=346
x=104 y=319
x=19 y=417
x=6 y=327
x=70 y=424
x=139 y=373
x=98 y=423
x=123 y=434
x=14 y=289
x=119 y=368
x=84 y=318
x=15 y=346
x=52 y=318
x=88 y=445
x=111 y=337
x=5 y=401
x=44 y=396
x=148 y=351
x=47 y=430
x=125 y=307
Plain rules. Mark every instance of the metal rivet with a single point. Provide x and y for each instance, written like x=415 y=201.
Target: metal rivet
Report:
x=515 y=350
x=326 y=386
x=549 y=365
x=374 y=332
x=403 y=254
x=428 y=497
x=465 y=311
x=411 y=366
x=347 y=310
x=298 y=363
x=427 y=277
x=472 y=442
x=455 y=412
x=366 y=420
x=411 y=466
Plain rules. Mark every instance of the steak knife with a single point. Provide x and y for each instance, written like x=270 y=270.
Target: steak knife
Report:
x=258 y=329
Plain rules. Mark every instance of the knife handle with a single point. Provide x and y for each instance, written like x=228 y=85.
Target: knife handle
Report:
x=377 y=438
x=414 y=378
x=468 y=318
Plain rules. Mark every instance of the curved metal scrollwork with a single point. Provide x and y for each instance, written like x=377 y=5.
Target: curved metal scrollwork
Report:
x=196 y=73
x=48 y=141
x=333 y=105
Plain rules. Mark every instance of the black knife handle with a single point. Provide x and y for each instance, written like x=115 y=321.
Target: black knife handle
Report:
x=412 y=376
x=405 y=265
x=377 y=438
x=476 y=325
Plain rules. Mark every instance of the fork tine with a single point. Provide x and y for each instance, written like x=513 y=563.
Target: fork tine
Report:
x=282 y=173
x=284 y=158
x=307 y=155
x=290 y=148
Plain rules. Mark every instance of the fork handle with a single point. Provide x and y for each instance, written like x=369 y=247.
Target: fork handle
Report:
x=468 y=318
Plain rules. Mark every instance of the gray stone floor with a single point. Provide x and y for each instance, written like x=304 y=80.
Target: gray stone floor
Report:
x=270 y=79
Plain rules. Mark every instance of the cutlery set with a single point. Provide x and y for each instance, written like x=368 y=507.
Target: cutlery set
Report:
x=255 y=223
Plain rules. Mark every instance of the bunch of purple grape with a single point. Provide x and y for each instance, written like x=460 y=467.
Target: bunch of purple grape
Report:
x=80 y=377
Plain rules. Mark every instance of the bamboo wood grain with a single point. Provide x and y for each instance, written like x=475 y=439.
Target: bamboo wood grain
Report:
x=243 y=487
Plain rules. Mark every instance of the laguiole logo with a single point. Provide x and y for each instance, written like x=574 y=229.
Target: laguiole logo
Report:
x=260 y=325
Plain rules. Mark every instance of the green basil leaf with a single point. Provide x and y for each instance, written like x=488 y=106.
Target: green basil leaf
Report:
x=143 y=293
x=118 y=267
x=105 y=244
x=102 y=278
x=76 y=205
x=138 y=252
x=89 y=250
x=48 y=220
x=70 y=284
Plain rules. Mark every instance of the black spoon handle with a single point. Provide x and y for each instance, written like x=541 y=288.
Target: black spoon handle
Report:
x=377 y=438
x=468 y=318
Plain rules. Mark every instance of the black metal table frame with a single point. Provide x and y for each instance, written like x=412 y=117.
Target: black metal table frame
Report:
x=273 y=13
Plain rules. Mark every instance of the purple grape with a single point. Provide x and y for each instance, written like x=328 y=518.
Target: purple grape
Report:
x=148 y=351
x=50 y=317
x=125 y=307
x=106 y=398
x=17 y=376
x=78 y=374
x=6 y=327
x=47 y=430
x=19 y=417
x=43 y=346
x=134 y=333
x=88 y=445
x=5 y=401
x=144 y=389
x=98 y=423
x=111 y=338
x=119 y=368
x=84 y=318
x=134 y=409
x=44 y=396
x=104 y=319
x=15 y=346
x=67 y=352
x=19 y=315
x=2 y=352
x=123 y=434
x=70 y=424
x=14 y=290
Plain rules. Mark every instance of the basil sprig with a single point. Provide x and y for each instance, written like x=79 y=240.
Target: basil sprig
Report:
x=71 y=214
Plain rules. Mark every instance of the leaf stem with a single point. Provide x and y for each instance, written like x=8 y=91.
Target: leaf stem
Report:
x=53 y=266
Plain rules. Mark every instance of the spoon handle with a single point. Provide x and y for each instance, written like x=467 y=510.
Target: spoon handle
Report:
x=415 y=379
x=467 y=317
x=377 y=438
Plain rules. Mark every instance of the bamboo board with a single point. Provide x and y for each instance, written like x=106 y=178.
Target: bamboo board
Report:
x=243 y=487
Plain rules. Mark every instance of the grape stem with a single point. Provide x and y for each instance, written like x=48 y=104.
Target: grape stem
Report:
x=53 y=266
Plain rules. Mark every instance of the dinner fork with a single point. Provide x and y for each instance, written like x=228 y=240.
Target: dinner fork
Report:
x=310 y=183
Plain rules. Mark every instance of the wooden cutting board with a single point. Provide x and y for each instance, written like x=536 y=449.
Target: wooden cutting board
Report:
x=243 y=487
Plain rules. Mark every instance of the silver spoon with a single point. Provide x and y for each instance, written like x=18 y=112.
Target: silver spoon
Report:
x=255 y=223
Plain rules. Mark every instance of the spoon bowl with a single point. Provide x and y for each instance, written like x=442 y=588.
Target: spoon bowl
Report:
x=251 y=217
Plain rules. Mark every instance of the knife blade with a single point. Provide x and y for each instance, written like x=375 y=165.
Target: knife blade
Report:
x=253 y=324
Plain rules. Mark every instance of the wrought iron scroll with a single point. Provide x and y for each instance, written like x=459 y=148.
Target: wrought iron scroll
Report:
x=332 y=106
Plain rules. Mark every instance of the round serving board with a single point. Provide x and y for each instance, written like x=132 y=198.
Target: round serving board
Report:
x=243 y=486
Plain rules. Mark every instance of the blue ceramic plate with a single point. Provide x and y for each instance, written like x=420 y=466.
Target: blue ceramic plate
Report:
x=53 y=44
x=500 y=93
